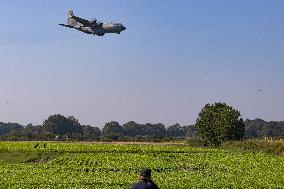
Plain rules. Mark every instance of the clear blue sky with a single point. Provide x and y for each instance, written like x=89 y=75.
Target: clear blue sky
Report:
x=174 y=57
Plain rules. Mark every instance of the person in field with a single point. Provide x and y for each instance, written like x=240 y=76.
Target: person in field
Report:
x=145 y=181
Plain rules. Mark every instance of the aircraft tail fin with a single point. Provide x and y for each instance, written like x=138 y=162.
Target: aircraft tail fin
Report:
x=70 y=20
x=70 y=14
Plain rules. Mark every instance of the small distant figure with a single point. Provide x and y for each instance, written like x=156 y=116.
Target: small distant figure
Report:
x=145 y=181
x=260 y=90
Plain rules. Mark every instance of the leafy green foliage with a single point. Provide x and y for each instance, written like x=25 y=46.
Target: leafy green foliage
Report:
x=259 y=128
x=157 y=131
x=58 y=127
x=133 y=129
x=6 y=128
x=58 y=124
x=113 y=131
x=91 y=133
x=219 y=122
x=107 y=166
x=176 y=130
x=267 y=146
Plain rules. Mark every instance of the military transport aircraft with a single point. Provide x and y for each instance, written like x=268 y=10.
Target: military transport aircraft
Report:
x=92 y=26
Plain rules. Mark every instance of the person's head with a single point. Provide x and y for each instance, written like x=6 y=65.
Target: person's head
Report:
x=145 y=174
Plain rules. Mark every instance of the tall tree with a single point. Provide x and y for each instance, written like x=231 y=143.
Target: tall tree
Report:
x=58 y=124
x=91 y=133
x=6 y=128
x=113 y=131
x=219 y=122
x=176 y=130
x=156 y=131
x=133 y=129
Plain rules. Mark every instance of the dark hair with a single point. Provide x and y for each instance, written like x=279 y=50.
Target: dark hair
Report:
x=145 y=172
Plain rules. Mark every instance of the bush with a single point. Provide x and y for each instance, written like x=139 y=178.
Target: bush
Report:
x=266 y=146
x=194 y=142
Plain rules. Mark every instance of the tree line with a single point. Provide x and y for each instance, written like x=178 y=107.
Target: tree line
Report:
x=216 y=123
x=259 y=128
x=59 y=127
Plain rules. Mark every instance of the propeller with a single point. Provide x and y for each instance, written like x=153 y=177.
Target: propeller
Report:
x=93 y=20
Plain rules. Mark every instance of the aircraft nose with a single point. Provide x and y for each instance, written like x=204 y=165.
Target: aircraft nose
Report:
x=123 y=28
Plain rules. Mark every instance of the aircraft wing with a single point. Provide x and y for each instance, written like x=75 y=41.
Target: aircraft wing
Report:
x=68 y=26
x=82 y=21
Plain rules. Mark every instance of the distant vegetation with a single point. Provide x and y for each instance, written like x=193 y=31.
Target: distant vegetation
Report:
x=113 y=131
x=275 y=147
x=216 y=123
x=59 y=127
x=259 y=128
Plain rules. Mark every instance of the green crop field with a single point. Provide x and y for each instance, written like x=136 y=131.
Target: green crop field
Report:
x=85 y=165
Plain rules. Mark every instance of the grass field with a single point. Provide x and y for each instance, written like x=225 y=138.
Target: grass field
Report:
x=84 y=165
